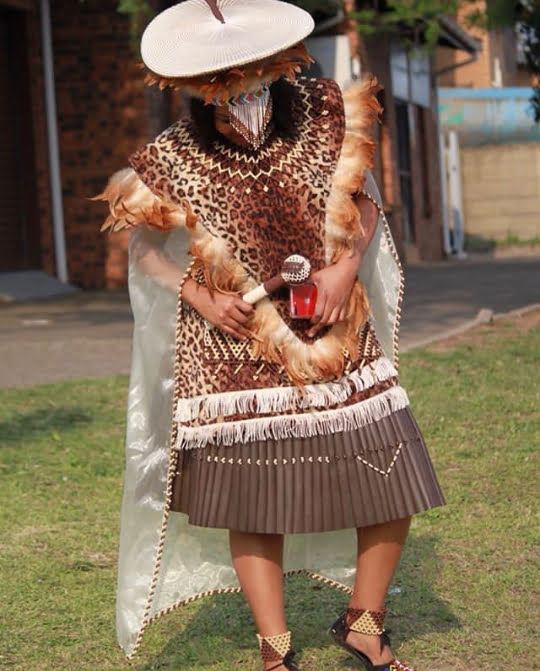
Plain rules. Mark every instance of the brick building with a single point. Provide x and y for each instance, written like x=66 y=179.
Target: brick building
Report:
x=101 y=116
x=499 y=63
x=53 y=160
x=408 y=163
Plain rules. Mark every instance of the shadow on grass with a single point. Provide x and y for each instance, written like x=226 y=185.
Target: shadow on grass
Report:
x=23 y=426
x=222 y=627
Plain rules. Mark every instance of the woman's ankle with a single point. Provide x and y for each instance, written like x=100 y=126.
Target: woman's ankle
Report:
x=272 y=665
x=276 y=651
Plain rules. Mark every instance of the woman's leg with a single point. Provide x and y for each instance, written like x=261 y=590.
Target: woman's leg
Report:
x=379 y=550
x=258 y=561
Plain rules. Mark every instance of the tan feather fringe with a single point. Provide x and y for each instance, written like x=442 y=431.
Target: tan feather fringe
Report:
x=132 y=203
x=325 y=358
x=343 y=225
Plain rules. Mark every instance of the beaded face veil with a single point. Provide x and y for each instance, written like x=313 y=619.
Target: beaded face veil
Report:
x=228 y=52
x=250 y=113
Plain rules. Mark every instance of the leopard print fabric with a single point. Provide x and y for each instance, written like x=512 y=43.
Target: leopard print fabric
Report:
x=266 y=204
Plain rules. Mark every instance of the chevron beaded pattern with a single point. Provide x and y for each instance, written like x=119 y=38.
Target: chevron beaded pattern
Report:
x=243 y=98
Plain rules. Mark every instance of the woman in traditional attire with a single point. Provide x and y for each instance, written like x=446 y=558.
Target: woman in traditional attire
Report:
x=285 y=442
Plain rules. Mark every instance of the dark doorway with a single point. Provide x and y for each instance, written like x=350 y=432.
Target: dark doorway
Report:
x=19 y=227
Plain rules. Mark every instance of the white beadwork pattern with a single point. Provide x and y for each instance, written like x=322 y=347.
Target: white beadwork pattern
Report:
x=293 y=461
x=296 y=269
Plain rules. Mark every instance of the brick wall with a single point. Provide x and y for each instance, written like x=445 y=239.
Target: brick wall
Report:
x=496 y=44
x=477 y=74
x=424 y=153
x=375 y=55
x=102 y=119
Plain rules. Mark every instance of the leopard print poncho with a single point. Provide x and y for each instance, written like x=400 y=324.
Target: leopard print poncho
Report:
x=252 y=210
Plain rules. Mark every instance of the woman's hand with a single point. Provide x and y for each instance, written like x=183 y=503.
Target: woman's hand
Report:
x=226 y=311
x=334 y=286
x=335 y=283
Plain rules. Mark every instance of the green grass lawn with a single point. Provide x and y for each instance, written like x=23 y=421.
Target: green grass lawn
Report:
x=462 y=599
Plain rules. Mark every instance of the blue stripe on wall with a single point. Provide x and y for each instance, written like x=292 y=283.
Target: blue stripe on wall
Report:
x=519 y=92
x=487 y=116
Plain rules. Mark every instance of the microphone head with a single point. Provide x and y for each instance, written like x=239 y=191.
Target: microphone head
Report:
x=295 y=269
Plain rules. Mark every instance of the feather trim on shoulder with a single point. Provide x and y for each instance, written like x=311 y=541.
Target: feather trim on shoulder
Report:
x=132 y=203
x=362 y=110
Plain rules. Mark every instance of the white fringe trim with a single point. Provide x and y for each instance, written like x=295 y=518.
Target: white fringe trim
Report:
x=314 y=423
x=281 y=399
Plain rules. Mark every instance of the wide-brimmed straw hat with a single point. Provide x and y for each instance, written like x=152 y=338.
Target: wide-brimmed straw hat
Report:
x=198 y=37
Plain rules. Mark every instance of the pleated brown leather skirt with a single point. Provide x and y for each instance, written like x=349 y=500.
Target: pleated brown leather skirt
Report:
x=374 y=474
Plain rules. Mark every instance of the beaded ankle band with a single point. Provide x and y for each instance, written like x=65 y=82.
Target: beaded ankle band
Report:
x=274 y=648
x=366 y=621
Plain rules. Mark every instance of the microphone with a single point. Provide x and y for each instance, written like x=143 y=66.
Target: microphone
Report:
x=296 y=269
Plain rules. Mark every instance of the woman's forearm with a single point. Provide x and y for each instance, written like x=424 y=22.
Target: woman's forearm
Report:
x=192 y=293
x=154 y=263
x=369 y=216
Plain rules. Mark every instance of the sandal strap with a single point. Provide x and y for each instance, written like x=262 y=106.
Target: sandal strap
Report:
x=287 y=662
x=366 y=622
x=274 y=648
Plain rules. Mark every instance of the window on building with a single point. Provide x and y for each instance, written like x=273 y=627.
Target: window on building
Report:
x=411 y=75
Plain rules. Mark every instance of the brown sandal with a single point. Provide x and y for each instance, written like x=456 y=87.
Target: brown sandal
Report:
x=365 y=622
x=278 y=649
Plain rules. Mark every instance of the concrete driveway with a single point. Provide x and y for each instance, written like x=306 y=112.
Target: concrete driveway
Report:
x=88 y=334
x=442 y=297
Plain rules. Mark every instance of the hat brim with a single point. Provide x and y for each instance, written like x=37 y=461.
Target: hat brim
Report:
x=187 y=40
